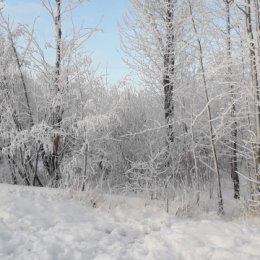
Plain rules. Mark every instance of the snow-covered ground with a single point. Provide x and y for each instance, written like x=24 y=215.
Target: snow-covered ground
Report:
x=48 y=224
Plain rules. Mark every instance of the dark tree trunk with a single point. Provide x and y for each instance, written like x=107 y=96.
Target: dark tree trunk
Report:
x=168 y=84
x=52 y=161
x=254 y=76
x=234 y=167
x=57 y=118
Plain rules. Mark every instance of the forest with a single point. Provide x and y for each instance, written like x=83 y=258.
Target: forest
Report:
x=183 y=126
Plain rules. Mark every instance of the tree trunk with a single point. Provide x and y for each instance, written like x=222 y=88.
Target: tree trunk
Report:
x=168 y=79
x=52 y=161
x=212 y=142
x=19 y=66
x=254 y=78
x=257 y=20
x=234 y=174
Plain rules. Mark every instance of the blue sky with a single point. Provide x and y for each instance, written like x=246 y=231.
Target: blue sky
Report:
x=104 y=45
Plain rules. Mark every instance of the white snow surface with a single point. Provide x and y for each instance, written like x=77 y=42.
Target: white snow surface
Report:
x=48 y=224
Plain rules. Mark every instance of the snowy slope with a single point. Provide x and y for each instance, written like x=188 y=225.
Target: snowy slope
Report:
x=46 y=224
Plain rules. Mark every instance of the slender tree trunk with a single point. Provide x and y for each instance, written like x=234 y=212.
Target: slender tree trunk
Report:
x=57 y=113
x=168 y=85
x=234 y=168
x=58 y=46
x=52 y=161
x=85 y=166
x=19 y=66
x=195 y=162
x=19 y=128
x=257 y=20
x=13 y=173
x=212 y=142
x=36 y=178
x=254 y=77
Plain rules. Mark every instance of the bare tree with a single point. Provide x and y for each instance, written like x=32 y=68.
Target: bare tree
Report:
x=212 y=141
x=254 y=79
x=52 y=161
x=168 y=75
x=234 y=167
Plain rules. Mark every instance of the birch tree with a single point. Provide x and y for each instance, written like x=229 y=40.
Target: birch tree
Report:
x=52 y=161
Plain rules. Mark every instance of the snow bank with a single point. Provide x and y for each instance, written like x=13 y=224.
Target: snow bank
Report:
x=47 y=224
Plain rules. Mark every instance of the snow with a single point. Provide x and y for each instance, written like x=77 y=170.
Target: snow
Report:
x=48 y=224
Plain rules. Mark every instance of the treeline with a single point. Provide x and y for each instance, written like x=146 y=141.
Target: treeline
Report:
x=187 y=122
